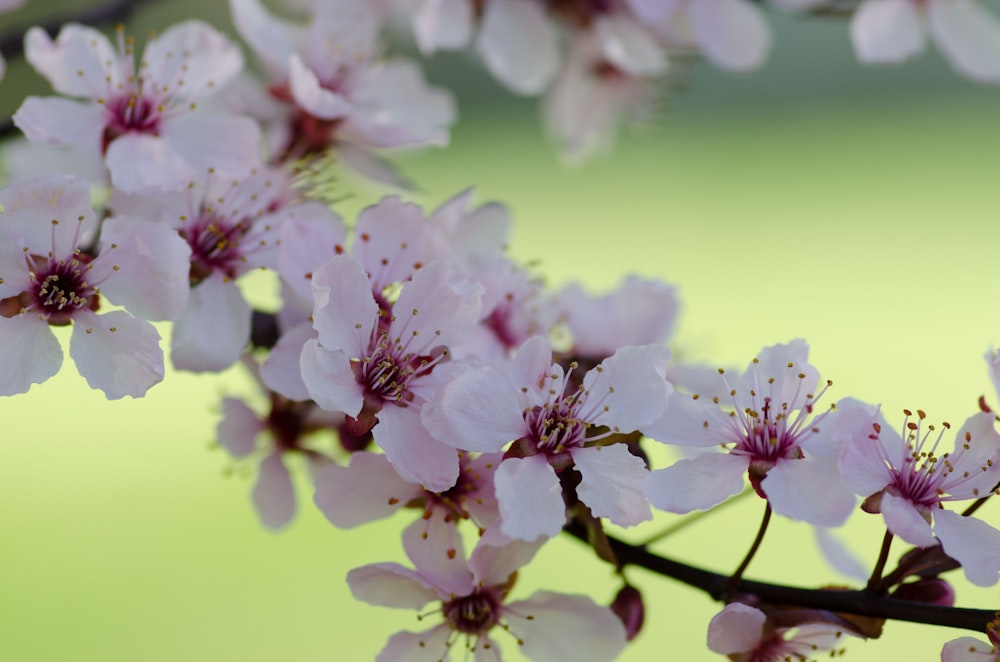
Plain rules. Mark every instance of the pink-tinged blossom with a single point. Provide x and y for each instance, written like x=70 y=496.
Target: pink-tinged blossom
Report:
x=731 y=34
x=529 y=401
x=909 y=480
x=370 y=489
x=472 y=601
x=378 y=366
x=337 y=90
x=970 y=649
x=743 y=634
x=765 y=427
x=268 y=441
x=142 y=117
x=232 y=227
x=48 y=279
x=891 y=31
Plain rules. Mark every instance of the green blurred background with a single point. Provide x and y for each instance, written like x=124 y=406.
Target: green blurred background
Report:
x=854 y=207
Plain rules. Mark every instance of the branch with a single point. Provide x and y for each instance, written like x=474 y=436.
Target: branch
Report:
x=851 y=602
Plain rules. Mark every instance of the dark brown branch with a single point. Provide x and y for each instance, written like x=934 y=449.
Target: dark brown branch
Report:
x=862 y=603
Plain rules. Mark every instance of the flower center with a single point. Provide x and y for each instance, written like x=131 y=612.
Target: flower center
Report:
x=476 y=613
x=130 y=113
x=59 y=289
x=215 y=247
x=555 y=427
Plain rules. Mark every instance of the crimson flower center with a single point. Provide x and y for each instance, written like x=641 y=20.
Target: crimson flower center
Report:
x=476 y=613
x=60 y=288
x=215 y=247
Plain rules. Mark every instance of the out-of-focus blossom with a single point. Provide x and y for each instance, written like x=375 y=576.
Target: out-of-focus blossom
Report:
x=743 y=634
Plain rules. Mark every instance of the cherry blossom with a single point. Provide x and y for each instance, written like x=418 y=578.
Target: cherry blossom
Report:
x=743 y=634
x=547 y=627
x=890 y=31
x=50 y=277
x=765 y=426
x=143 y=118
x=908 y=481
x=731 y=34
x=378 y=367
x=528 y=401
x=970 y=649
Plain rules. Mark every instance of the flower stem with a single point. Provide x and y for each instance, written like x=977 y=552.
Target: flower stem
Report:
x=736 y=576
x=875 y=583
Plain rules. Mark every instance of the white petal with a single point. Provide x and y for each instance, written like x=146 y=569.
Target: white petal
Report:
x=417 y=456
x=345 y=310
x=58 y=121
x=329 y=379
x=368 y=490
x=213 y=329
x=612 y=484
x=736 y=629
x=435 y=548
x=972 y=542
x=29 y=205
x=733 y=33
x=530 y=498
x=697 y=483
x=367 y=163
x=151 y=278
x=653 y=12
x=390 y=585
x=687 y=421
x=313 y=97
x=904 y=520
x=80 y=63
x=282 y=370
x=116 y=353
x=237 y=431
x=496 y=557
x=478 y=411
x=214 y=142
x=270 y=37
x=439 y=306
x=443 y=24
x=307 y=240
x=274 y=495
x=519 y=45
x=191 y=59
x=629 y=390
x=29 y=353
x=565 y=627
x=861 y=462
x=629 y=45
x=887 y=31
x=808 y=490
x=144 y=163
x=967 y=649
x=416 y=646
x=788 y=365
x=393 y=240
x=969 y=36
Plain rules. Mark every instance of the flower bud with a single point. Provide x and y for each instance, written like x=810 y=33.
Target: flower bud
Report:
x=628 y=606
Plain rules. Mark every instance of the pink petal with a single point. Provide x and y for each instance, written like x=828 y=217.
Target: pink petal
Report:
x=904 y=520
x=809 y=490
x=972 y=542
x=565 y=627
x=29 y=353
x=967 y=649
x=697 y=483
x=629 y=45
x=416 y=455
x=519 y=45
x=190 y=60
x=435 y=548
x=274 y=495
x=788 y=386
x=392 y=240
x=478 y=411
x=313 y=97
x=80 y=63
x=978 y=461
x=861 y=463
x=390 y=585
x=887 y=31
x=443 y=24
x=497 y=557
x=151 y=278
x=629 y=390
x=394 y=106
x=475 y=235
x=214 y=327
x=281 y=371
x=687 y=421
x=732 y=33
x=116 y=353
x=611 y=484
x=27 y=205
x=237 y=431
x=214 y=142
x=141 y=162
x=416 y=646
x=367 y=163
x=738 y=628
x=269 y=37
x=329 y=379
x=345 y=310
x=438 y=307
x=58 y=121
x=368 y=490
x=307 y=240
x=652 y=12
x=530 y=498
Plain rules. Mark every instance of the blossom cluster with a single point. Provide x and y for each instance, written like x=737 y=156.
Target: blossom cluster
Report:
x=459 y=388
